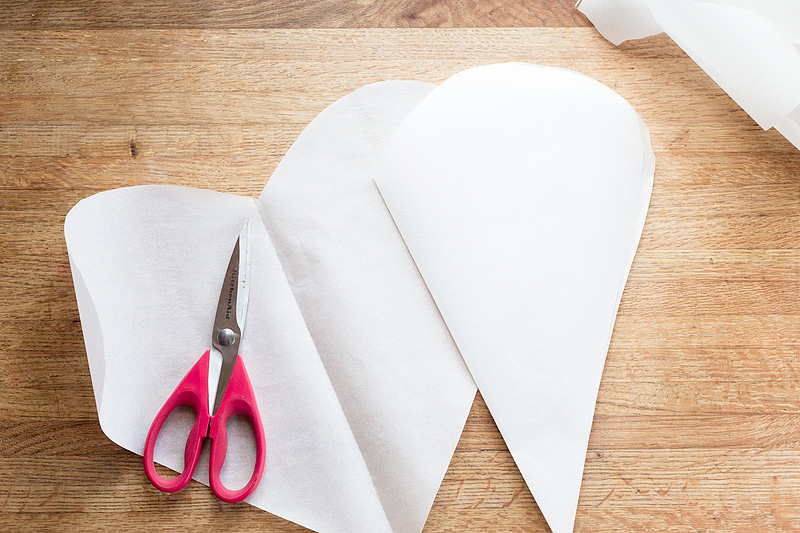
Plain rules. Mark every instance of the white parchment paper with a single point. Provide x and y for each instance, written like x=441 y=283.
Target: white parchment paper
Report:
x=361 y=390
x=751 y=48
x=525 y=233
x=521 y=191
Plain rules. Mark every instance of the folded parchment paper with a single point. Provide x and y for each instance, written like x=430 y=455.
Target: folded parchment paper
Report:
x=362 y=391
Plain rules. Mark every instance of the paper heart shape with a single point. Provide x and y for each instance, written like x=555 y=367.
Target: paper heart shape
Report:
x=362 y=392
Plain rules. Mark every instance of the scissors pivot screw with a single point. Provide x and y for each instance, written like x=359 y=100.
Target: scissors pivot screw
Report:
x=226 y=337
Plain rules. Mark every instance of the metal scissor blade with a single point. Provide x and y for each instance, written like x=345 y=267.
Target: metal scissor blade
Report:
x=245 y=268
x=231 y=313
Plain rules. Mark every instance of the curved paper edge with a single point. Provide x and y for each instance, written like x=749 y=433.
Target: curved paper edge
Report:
x=620 y=20
x=92 y=334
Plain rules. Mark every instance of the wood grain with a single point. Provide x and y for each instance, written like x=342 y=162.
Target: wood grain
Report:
x=698 y=418
x=109 y=14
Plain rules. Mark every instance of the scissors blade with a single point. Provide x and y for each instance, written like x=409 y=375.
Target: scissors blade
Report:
x=231 y=314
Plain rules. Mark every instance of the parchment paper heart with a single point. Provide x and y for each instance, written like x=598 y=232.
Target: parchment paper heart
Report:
x=362 y=391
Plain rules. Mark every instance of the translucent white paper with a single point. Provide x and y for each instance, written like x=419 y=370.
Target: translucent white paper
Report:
x=751 y=48
x=361 y=390
x=521 y=192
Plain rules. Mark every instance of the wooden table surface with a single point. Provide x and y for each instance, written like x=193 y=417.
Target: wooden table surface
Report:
x=698 y=418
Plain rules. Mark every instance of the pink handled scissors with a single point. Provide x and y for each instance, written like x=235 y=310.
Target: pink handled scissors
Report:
x=234 y=394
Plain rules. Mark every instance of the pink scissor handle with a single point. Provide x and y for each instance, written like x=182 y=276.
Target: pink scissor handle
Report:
x=239 y=399
x=191 y=391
